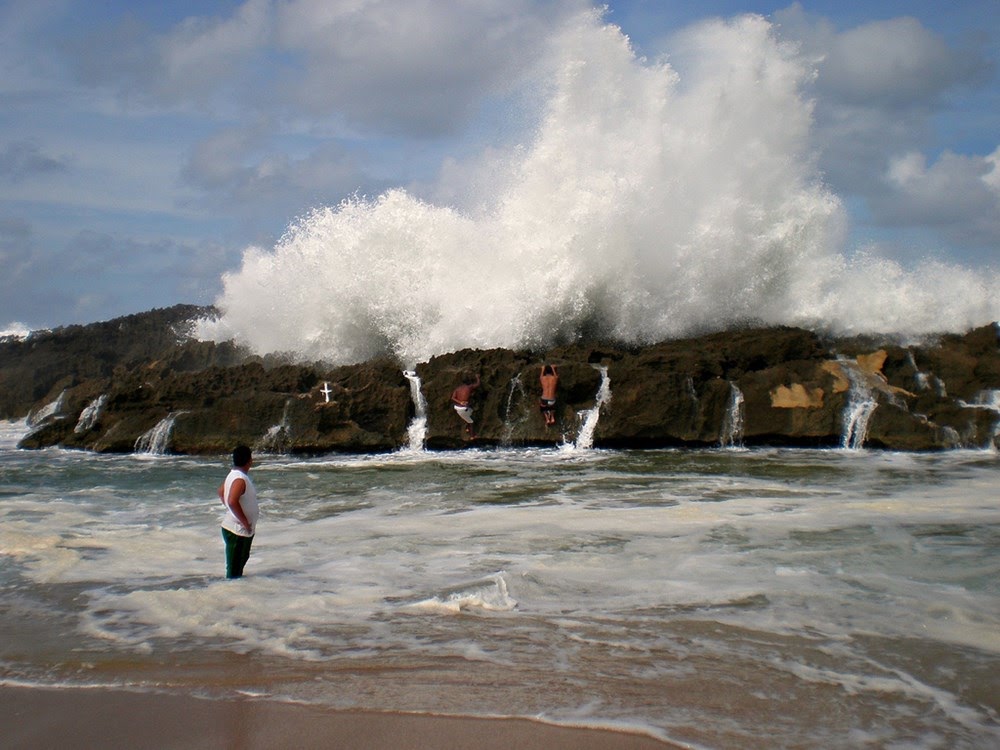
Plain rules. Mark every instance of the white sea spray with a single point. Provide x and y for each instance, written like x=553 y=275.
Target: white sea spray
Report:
x=649 y=201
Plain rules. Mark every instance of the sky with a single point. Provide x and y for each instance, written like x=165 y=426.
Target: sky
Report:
x=144 y=146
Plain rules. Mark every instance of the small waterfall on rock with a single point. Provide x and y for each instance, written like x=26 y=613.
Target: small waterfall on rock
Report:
x=90 y=414
x=858 y=412
x=732 y=423
x=590 y=417
x=694 y=403
x=416 y=431
x=926 y=381
x=993 y=402
x=689 y=387
x=990 y=401
x=157 y=440
x=278 y=438
x=921 y=379
x=516 y=396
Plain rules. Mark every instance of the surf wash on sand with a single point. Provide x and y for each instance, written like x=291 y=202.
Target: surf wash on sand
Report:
x=819 y=596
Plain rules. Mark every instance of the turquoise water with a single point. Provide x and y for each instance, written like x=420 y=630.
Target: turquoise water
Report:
x=719 y=598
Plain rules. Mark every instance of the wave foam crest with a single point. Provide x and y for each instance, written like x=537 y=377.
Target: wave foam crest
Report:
x=646 y=206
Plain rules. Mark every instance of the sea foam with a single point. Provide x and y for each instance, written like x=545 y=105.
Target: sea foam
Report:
x=647 y=202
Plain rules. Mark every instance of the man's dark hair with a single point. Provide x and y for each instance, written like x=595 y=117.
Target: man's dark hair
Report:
x=241 y=456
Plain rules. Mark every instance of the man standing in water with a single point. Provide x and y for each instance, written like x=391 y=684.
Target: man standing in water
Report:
x=550 y=382
x=460 y=398
x=239 y=496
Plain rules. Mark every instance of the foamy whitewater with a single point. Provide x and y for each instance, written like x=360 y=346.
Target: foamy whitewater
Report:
x=725 y=598
x=647 y=201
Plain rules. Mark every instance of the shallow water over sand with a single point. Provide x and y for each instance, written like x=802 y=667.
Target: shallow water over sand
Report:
x=816 y=598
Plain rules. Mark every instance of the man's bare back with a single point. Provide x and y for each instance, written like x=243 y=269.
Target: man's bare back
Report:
x=550 y=381
x=463 y=393
x=549 y=378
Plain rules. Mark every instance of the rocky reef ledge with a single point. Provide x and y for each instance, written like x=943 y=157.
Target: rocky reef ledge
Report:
x=140 y=383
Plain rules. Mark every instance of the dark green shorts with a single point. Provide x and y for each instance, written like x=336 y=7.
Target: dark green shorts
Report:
x=237 y=552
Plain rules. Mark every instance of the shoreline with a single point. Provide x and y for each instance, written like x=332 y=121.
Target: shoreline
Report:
x=106 y=717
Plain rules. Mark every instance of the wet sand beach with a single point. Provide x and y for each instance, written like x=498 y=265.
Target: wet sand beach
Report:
x=81 y=717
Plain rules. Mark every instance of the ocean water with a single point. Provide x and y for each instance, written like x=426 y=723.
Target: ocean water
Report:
x=722 y=598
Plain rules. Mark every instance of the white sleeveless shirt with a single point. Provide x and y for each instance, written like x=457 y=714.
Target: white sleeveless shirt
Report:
x=248 y=502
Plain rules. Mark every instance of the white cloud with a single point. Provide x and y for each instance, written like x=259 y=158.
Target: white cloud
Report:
x=207 y=52
x=413 y=66
x=23 y=26
x=242 y=169
x=992 y=176
x=220 y=161
x=16 y=249
x=24 y=158
x=398 y=67
x=893 y=63
x=886 y=63
x=98 y=272
x=331 y=75
x=958 y=194
x=22 y=269
x=879 y=88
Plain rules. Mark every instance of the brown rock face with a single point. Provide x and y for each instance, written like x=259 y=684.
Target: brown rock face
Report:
x=93 y=388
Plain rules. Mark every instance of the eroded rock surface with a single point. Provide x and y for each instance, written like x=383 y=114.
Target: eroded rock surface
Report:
x=140 y=381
